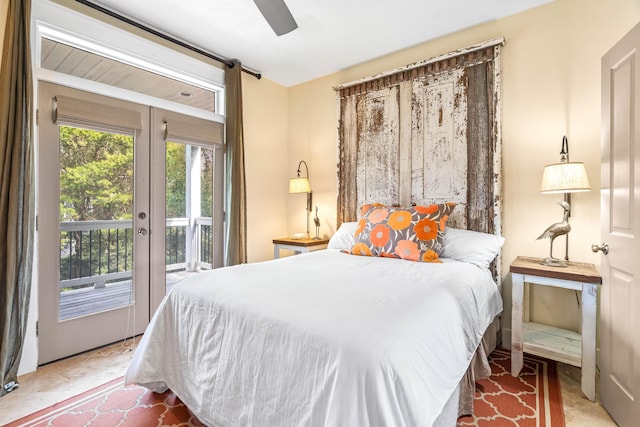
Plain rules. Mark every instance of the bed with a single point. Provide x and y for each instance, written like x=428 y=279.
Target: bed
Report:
x=325 y=338
x=335 y=338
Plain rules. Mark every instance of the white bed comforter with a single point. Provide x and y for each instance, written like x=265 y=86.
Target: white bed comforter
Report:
x=318 y=339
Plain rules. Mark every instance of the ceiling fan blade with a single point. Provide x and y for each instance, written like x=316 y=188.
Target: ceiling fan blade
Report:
x=277 y=15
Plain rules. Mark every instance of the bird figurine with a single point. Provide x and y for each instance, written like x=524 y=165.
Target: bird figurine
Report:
x=316 y=220
x=555 y=230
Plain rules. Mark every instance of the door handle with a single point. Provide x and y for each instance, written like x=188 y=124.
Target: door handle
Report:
x=601 y=247
x=142 y=231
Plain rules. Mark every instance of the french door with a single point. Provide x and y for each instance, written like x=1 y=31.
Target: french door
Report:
x=109 y=174
x=187 y=199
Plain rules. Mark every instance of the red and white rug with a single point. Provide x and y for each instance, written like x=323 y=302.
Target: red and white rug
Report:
x=111 y=405
x=532 y=399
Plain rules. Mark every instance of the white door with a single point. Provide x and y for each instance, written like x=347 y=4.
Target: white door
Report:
x=93 y=221
x=187 y=176
x=125 y=213
x=620 y=205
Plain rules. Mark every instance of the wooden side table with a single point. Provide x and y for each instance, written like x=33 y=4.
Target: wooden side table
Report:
x=298 y=245
x=546 y=341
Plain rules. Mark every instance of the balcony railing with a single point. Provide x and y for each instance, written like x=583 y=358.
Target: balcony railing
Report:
x=94 y=253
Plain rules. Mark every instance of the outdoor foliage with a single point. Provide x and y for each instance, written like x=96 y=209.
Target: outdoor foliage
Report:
x=176 y=180
x=96 y=175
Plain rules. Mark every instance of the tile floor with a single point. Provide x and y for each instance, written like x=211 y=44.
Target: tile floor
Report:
x=57 y=381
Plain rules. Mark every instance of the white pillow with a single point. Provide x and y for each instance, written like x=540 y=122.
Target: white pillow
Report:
x=471 y=246
x=343 y=238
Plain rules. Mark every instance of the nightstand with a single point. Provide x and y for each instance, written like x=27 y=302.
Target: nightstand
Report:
x=555 y=343
x=298 y=245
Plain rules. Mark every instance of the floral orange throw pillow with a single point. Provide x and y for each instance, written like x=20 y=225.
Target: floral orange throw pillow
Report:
x=414 y=233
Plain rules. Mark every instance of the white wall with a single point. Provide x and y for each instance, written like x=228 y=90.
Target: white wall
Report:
x=266 y=163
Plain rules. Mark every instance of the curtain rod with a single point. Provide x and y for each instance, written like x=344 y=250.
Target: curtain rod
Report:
x=166 y=37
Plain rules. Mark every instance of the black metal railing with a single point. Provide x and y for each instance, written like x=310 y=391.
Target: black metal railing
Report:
x=93 y=253
x=176 y=242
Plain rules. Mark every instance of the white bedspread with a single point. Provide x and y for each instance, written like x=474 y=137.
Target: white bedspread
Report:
x=318 y=339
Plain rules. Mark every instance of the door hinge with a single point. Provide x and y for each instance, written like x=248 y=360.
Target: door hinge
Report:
x=37 y=116
x=37 y=328
x=36 y=222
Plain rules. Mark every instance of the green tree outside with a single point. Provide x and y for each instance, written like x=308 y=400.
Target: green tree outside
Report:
x=96 y=175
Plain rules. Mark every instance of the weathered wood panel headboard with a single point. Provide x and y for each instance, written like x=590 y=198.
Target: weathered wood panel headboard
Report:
x=425 y=133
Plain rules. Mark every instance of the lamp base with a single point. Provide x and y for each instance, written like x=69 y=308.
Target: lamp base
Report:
x=553 y=262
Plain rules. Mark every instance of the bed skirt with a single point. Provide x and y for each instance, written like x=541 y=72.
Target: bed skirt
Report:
x=479 y=368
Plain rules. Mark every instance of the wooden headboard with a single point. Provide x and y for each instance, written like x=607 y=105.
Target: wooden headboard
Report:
x=425 y=133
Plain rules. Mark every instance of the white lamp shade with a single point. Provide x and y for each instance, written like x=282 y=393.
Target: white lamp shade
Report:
x=565 y=177
x=299 y=185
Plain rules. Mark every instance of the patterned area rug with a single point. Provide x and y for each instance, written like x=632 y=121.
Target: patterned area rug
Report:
x=532 y=399
x=112 y=405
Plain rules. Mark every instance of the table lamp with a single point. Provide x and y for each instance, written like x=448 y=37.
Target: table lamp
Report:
x=564 y=177
x=302 y=185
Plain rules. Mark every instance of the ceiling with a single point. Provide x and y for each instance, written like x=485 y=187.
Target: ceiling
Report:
x=332 y=34
x=66 y=59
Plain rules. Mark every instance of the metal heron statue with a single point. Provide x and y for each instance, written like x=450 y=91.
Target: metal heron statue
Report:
x=555 y=230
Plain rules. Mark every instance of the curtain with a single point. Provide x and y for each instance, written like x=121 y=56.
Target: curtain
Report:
x=236 y=200
x=16 y=190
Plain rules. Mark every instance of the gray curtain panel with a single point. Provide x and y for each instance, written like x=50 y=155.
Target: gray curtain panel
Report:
x=236 y=199
x=16 y=190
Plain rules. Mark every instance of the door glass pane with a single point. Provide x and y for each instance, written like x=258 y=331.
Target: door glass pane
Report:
x=96 y=211
x=189 y=207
